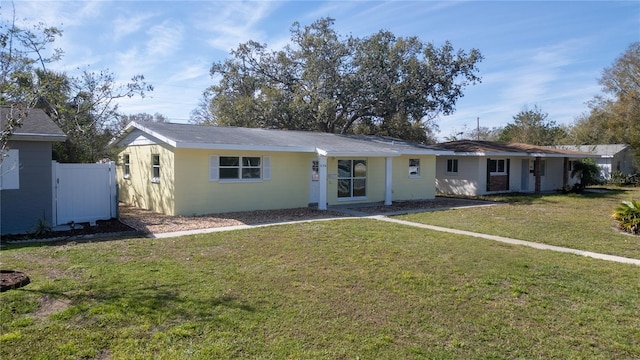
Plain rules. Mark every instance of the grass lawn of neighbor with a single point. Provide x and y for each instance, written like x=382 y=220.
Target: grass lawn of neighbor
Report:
x=579 y=221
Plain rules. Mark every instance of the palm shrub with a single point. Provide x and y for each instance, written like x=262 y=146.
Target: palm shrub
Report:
x=628 y=216
x=588 y=173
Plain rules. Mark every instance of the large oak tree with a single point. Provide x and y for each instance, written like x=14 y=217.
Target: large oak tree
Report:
x=380 y=84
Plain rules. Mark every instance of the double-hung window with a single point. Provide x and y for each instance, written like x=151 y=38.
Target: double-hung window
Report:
x=155 y=168
x=352 y=178
x=126 y=161
x=414 y=168
x=452 y=166
x=497 y=167
x=10 y=170
x=241 y=168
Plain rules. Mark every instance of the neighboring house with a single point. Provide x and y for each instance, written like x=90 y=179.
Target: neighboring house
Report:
x=185 y=169
x=485 y=167
x=26 y=194
x=611 y=158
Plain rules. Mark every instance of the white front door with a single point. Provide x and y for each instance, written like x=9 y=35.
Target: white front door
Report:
x=525 y=175
x=314 y=182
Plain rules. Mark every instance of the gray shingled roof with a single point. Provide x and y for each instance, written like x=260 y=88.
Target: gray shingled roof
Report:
x=492 y=148
x=36 y=126
x=604 y=150
x=215 y=137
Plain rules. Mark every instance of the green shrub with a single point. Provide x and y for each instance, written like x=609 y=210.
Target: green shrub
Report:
x=618 y=178
x=628 y=216
x=42 y=228
x=587 y=172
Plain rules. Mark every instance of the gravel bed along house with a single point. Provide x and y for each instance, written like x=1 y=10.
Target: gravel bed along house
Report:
x=152 y=222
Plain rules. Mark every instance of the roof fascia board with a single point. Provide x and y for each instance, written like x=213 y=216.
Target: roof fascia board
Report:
x=359 y=154
x=203 y=146
x=480 y=153
x=541 y=155
x=427 y=152
x=37 y=137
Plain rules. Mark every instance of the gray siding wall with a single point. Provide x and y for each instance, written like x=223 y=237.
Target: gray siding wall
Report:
x=21 y=209
x=623 y=161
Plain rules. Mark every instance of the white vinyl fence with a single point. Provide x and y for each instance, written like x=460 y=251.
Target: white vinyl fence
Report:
x=84 y=192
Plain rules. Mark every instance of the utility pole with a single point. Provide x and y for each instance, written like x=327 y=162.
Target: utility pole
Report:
x=478 y=128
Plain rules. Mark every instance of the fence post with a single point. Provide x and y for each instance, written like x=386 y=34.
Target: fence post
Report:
x=113 y=193
x=54 y=193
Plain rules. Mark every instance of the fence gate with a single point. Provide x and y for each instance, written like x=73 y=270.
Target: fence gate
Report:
x=84 y=192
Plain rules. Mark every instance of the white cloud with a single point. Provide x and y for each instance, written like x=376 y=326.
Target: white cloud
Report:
x=54 y=13
x=192 y=71
x=232 y=23
x=165 y=38
x=126 y=25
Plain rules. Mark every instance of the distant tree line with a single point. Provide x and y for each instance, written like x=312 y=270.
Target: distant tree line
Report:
x=613 y=117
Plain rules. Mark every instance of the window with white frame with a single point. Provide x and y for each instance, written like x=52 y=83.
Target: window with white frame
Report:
x=452 y=166
x=315 y=171
x=352 y=178
x=497 y=167
x=10 y=170
x=126 y=164
x=241 y=168
x=414 y=167
x=155 y=168
x=543 y=167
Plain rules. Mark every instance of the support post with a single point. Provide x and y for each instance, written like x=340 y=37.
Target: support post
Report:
x=322 y=174
x=387 y=180
x=565 y=174
x=536 y=172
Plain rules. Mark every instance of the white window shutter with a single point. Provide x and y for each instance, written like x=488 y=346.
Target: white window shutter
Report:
x=214 y=168
x=10 y=171
x=266 y=168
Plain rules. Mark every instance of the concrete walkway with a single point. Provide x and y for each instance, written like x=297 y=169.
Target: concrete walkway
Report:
x=534 y=245
x=358 y=215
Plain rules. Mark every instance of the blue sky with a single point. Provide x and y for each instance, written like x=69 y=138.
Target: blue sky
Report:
x=548 y=54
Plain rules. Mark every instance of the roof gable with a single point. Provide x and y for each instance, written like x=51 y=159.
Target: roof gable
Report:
x=36 y=126
x=237 y=138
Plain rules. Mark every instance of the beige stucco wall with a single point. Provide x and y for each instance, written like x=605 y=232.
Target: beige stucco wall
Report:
x=196 y=194
x=471 y=178
x=138 y=190
x=406 y=187
x=185 y=189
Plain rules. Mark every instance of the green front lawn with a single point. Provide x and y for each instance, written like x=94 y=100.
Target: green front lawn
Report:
x=579 y=221
x=343 y=289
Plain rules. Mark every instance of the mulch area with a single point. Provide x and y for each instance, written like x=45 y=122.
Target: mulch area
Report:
x=102 y=227
x=10 y=279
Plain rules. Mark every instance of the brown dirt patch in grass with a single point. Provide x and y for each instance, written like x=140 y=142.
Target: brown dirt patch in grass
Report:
x=49 y=306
